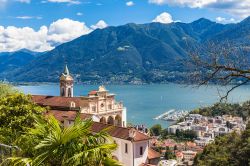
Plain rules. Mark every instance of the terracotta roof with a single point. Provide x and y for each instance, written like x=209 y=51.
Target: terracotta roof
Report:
x=58 y=101
x=114 y=131
x=191 y=144
x=120 y=132
x=93 y=92
x=152 y=154
x=69 y=115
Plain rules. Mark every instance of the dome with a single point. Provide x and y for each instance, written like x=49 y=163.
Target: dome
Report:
x=66 y=77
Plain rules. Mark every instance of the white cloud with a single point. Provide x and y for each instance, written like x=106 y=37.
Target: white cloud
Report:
x=13 y=38
x=65 y=1
x=238 y=8
x=64 y=30
x=24 y=17
x=29 y=17
x=130 y=3
x=24 y=1
x=164 y=18
x=99 y=25
x=46 y=38
x=225 y=20
x=79 y=14
x=188 y=3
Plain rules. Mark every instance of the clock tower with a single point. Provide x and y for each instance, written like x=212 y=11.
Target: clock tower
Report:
x=66 y=83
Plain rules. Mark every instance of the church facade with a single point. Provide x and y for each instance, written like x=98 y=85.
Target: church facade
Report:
x=101 y=106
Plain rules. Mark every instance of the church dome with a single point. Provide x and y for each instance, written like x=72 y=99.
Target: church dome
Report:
x=66 y=75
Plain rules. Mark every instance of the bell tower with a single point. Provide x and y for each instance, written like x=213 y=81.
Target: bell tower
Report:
x=66 y=83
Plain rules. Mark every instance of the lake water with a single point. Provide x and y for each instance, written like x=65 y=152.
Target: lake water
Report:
x=144 y=102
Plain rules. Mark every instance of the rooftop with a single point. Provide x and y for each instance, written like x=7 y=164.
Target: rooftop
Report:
x=59 y=101
x=69 y=115
x=114 y=131
x=152 y=154
x=120 y=132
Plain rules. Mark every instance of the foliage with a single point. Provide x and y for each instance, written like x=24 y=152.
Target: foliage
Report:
x=169 y=154
x=6 y=89
x=218 y=109
x=17 y=112
x=164 y=133
x=185 y=135
x=51 y=144
x=232 y=150
x=156 y=130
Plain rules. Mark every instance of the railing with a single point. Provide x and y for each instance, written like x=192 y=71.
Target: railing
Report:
x=115 y=107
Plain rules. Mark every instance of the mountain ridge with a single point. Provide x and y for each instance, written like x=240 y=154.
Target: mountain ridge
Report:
x=137 y=53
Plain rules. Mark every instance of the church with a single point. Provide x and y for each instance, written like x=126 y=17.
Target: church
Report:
x=100 y=106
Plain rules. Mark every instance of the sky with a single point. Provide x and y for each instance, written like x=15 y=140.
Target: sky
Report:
x=40 y=25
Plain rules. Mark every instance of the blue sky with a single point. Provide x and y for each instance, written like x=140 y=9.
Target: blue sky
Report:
x=50 y=21
x=114 y=12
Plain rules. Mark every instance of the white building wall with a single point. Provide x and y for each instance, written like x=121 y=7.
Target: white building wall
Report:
x=124 y=117
x=133 y=157
x=139 y=159
x=124 y=158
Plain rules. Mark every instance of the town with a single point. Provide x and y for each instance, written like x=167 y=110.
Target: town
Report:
x=206 y=129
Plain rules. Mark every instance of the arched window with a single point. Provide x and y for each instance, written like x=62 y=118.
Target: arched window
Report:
x=69 y=92
x=103 y=120
x=110 y=120
x=62 y=93
x=118 y=120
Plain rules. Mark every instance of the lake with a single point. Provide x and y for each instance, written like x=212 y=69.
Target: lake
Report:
x=144 y=102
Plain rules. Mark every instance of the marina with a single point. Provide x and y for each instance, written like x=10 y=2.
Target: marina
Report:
x=172 y=115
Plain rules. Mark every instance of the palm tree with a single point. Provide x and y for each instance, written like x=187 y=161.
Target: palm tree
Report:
x=51 y=144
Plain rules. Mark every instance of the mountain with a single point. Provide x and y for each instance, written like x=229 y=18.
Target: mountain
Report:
x=151 y=52
x=10 y=61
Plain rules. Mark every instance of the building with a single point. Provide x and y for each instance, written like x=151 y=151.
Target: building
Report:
x=100 y=106
x=188 y=155
x=203 y=141
x=179 y=156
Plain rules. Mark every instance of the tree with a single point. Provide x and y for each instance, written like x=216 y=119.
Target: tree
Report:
x=219 y=109
x=50 y=143
x=169 y=154
x=6 y=89
x=17 y=112
x=164 y=133
x=241 y=152
x=156 y=130
x=223 y=63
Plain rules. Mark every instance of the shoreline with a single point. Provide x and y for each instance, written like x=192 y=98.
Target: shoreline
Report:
x=113 y=83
